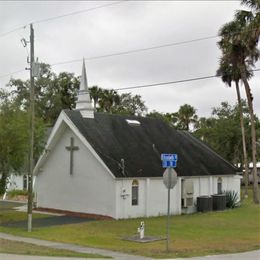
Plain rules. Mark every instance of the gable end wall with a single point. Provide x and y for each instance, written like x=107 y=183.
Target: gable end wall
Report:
x=90 y=189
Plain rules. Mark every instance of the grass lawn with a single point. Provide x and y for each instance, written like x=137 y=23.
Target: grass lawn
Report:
x=14 y=247
x=229 y=231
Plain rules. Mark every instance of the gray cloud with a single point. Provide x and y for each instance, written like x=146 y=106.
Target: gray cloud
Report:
x=122 y=27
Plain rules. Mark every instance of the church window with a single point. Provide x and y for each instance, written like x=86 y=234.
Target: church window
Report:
x=135 y=186
x=219 y=185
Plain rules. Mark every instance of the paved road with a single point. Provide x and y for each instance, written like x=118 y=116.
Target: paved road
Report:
x=28 y=257
x=252 y=255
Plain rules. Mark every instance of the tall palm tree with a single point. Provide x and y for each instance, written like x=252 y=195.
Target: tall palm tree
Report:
x=229 y=73
x=239 y=40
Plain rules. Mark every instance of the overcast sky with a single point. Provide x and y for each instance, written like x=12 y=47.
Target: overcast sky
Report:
x=122 y=27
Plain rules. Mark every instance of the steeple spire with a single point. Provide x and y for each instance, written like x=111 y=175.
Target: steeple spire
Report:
x=84 y=104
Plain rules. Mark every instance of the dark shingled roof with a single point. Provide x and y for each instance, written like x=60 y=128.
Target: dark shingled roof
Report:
x=140 y=146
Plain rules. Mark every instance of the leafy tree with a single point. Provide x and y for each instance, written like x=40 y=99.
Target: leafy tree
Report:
x=14 y=139
x=130 y=105
x=169 y=118
x=239 y=41
x=222 y=132
x=182 y=120
x=52 y=93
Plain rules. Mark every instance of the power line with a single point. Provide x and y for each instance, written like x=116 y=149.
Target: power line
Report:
x=77 y=12
x=137 y=50
x=121 y=53
x=14 y=30
x=167 y=83
x=61 y=16
x=12 y=73
x=134 y=50
x=171 y=82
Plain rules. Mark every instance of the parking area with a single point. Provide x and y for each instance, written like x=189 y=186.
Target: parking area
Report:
x=8 y=205
x=44 y=221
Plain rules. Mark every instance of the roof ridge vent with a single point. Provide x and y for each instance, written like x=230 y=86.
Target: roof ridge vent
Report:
x=133 y=122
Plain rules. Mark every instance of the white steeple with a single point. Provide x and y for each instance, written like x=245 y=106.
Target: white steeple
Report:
x=84 y=104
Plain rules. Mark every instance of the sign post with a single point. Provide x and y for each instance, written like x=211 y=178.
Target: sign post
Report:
x=170 y=180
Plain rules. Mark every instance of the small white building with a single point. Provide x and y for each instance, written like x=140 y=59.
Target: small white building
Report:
x=16 y=182
x=110 y=165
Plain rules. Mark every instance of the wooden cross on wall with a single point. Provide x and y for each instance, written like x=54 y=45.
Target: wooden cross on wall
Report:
x=71 y=149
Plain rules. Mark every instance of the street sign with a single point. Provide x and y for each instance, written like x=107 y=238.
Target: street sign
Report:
x=169 y=160
x=166 y=164
x=170 y=178
x=169 y=157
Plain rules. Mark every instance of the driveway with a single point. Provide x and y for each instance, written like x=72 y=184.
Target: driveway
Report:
x=44 y=221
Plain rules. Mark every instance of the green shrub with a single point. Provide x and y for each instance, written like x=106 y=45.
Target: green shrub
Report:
x=232 y=199
x=14 y=193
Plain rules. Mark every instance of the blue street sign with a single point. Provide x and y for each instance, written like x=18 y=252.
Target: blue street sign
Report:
x=167 y=164
x=169 y=157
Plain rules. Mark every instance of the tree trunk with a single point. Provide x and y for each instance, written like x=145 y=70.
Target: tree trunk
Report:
x=243 y=139
x=3 y=179
x=253 y=132
x=3 y=182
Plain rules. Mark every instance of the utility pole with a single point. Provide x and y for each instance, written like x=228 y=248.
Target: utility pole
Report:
x=31 y=155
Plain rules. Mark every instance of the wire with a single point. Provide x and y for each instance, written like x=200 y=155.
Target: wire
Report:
x=121 y=53
x=10 y=74
x=14 y=30
x=167 y=83
x=77 y=12
x=134 y=51
x=61 y=16
x=171 y=82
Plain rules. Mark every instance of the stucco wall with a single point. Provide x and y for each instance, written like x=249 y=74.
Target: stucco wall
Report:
x=90 y=189
x=208 y=185
x=152 y=198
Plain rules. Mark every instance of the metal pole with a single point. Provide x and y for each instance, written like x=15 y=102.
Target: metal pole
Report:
x=168 y=221
x=31 y=158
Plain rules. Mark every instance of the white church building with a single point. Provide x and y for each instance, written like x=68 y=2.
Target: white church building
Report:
x=109 y=165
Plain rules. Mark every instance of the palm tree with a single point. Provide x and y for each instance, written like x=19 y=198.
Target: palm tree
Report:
x=108 y=100
x=186 y=116
x=239 y=40
x=95 y=94
x=229 y=73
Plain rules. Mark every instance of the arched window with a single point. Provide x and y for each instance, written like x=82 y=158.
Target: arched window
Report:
x=135 y=192
x=219 y=185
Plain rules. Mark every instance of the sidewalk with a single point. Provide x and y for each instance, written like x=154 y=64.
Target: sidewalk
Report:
x=75 y=248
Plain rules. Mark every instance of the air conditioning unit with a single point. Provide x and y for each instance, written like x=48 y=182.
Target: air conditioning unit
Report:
x=187 y=193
